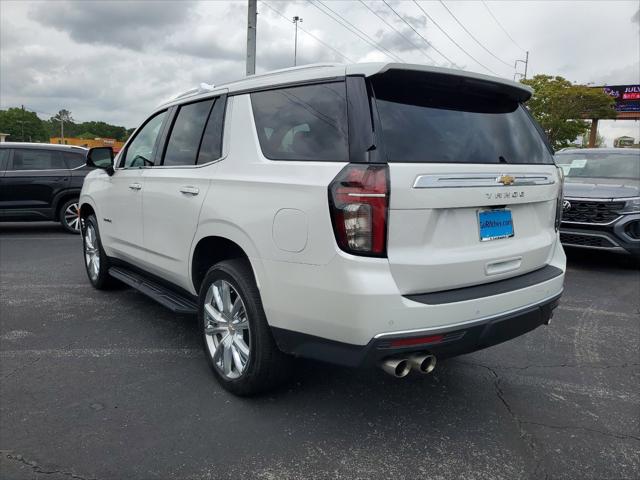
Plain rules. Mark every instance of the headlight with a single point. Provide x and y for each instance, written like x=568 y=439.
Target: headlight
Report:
x=631 y=206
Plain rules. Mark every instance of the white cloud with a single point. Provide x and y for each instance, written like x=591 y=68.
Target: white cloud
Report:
x=114 y=61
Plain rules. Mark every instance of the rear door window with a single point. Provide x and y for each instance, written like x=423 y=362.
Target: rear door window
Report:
x=185 y=136
x=424 y=122
x=303 y=123
x=74 y=160
x=211 y=145
x=37 y=159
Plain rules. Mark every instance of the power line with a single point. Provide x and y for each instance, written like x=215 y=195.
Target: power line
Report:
x=353 y=29
x=474 y=38
x=455 y=43
x=309 y=33
x=398 y=32
x=500 y=25
x=417 y=33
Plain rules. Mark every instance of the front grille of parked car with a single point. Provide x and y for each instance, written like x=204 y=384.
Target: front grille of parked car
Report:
x=585 y=240
x=591 y=212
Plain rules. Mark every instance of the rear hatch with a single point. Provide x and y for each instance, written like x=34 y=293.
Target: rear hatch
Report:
x=473 y=186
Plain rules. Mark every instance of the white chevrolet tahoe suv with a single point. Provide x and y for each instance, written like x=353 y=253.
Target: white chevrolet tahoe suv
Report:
x=368 y=214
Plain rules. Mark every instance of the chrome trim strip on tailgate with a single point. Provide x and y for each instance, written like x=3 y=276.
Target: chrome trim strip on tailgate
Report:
x=455 y=180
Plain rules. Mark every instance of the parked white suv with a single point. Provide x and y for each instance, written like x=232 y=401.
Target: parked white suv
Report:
x=369 y=214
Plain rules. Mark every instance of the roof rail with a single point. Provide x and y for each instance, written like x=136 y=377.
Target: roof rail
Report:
x=202 y=88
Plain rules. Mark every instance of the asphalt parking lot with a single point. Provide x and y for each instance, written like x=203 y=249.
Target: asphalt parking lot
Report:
x=109 y=385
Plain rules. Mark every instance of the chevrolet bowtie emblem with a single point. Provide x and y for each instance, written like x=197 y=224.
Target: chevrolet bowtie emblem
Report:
x=506 y=180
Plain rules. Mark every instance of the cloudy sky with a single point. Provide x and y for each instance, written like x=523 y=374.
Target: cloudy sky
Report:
x=116 y=60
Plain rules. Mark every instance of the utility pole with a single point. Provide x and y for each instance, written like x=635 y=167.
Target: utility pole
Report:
x=61 y=126
x=526 y=66
x=252 y=24
x=296 y=20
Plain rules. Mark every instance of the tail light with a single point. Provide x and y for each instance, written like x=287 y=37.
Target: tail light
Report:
x=358 y=201
x=559 y=200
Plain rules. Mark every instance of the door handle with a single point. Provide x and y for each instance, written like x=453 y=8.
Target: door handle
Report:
x=135 y=186
x=189 y=190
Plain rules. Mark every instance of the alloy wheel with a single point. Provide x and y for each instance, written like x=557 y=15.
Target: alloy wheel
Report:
x=91 y=252
x=226 y=329
x=71 y=217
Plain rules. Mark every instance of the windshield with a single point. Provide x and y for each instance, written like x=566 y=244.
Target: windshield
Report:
x=600 y=165
x=425 y=121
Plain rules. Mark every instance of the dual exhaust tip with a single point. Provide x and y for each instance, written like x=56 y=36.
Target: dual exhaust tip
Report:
x=400 y=367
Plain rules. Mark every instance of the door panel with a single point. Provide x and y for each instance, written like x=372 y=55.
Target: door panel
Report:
x=172 y=202
x=121 y=211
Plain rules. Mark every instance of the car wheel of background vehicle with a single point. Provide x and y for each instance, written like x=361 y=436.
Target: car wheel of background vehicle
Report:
x=237 y=339
x=95 y=260
x=69 y=216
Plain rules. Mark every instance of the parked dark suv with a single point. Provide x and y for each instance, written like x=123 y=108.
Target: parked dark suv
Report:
x=41 y=182
x=601 y=207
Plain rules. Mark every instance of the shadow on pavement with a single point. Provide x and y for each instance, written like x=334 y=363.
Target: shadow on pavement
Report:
x=599 y=259
x=31 y=228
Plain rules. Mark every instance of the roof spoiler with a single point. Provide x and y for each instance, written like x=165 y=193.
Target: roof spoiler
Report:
x=466 y=80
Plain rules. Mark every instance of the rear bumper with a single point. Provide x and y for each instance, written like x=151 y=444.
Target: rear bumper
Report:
x=446 y=341
x=353 y=300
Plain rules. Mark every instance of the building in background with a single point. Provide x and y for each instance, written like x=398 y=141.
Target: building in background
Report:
x=89 y=143
x=3 y=137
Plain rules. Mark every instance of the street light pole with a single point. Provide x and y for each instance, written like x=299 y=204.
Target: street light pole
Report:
x=296 y=19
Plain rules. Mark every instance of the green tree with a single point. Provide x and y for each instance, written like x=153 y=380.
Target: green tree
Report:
x=88 y=136
x=561 y=107
x=600 y=142
x=22 y=126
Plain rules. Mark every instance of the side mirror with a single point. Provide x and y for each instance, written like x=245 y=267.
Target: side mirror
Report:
x=101 y=157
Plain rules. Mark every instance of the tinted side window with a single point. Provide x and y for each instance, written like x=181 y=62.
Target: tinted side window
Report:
x=211 y=146
x=141 y=149
x=186 y=133
x=36 y=159
x=74 y=160
x=303 y=123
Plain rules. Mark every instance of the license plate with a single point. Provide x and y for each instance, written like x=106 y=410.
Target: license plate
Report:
x=495 y=224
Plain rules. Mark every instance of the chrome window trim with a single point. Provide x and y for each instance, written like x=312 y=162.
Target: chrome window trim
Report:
x=457 y=180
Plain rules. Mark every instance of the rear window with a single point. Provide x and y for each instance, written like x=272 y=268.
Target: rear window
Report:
x=303 y=123
x=429 y=122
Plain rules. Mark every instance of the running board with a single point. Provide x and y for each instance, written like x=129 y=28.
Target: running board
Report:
x=166 y=297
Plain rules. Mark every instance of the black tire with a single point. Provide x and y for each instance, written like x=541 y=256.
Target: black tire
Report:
x=68 y=216
x=267 y=367
x=102 y=280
